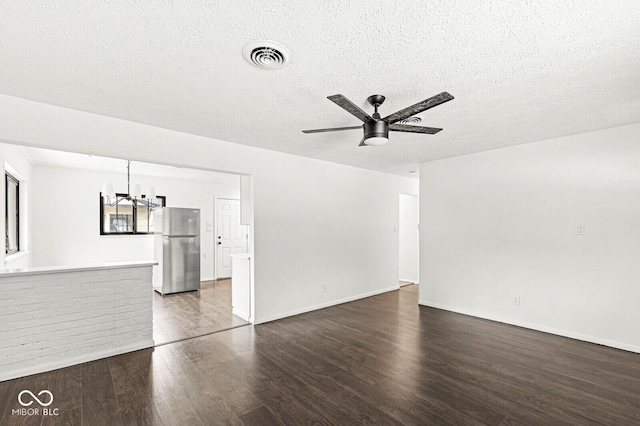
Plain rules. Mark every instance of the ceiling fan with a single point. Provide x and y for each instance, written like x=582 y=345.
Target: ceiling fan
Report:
x=376 y=129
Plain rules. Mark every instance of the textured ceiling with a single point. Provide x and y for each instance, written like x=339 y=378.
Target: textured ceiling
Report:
x=520 y=71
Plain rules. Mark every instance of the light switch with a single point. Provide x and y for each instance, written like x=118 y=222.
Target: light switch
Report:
x=580 y=229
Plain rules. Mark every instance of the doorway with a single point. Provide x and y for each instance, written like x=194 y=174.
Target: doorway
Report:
x=408 y=240
x=186 y=315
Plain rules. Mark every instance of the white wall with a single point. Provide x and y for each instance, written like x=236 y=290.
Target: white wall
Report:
x=408 y=236
x=66 y=216
x=502 y=223
x=13 y=157
x=316 y=223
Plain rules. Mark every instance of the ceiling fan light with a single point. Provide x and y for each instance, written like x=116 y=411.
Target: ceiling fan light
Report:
x=376 y=141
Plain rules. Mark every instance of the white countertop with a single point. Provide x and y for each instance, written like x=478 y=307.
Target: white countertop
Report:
x=58 y=269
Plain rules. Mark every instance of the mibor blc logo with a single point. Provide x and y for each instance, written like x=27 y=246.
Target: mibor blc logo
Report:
x=26 y=398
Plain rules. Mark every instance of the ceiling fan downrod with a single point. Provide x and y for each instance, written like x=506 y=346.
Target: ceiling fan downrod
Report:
x=375 y=101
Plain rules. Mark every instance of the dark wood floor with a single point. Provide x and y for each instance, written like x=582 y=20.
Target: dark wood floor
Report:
x=380 y=360
x=184 y=315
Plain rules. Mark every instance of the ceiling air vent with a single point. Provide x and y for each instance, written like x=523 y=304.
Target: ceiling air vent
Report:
x=411 y=120
x=266 y=54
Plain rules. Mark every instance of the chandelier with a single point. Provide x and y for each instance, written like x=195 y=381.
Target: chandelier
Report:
x=134 y=196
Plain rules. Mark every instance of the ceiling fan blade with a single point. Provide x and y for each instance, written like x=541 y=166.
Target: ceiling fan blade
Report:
x=350 y=107
x=413 y=129
x=418 y=108
x=333 y=129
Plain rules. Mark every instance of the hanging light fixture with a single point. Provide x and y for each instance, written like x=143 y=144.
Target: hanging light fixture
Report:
x=107 y=190
x=135 y=195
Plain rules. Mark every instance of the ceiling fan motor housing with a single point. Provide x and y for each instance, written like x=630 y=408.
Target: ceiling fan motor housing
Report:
x=376 y=129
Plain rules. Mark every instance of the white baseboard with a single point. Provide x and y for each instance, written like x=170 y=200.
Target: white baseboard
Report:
x=44 y=367
x=407 y=280
x=241 y=314
x=325 y=305
x=537 y=327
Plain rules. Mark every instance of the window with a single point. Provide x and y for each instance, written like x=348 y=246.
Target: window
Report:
x=11 y=214
x=124 y=215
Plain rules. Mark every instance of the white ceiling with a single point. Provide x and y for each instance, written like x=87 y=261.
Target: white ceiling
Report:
x=47 y=157
x=520 y=71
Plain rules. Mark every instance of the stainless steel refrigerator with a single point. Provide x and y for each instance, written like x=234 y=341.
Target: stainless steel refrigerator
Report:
x=176 y=249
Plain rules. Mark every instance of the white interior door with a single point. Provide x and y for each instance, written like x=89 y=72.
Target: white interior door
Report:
x=231 y=237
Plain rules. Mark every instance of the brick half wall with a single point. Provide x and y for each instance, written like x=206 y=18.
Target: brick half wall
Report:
x=54 y=319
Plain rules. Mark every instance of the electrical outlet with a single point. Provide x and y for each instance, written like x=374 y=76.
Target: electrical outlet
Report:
x=516 y=300
x=204 y=255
